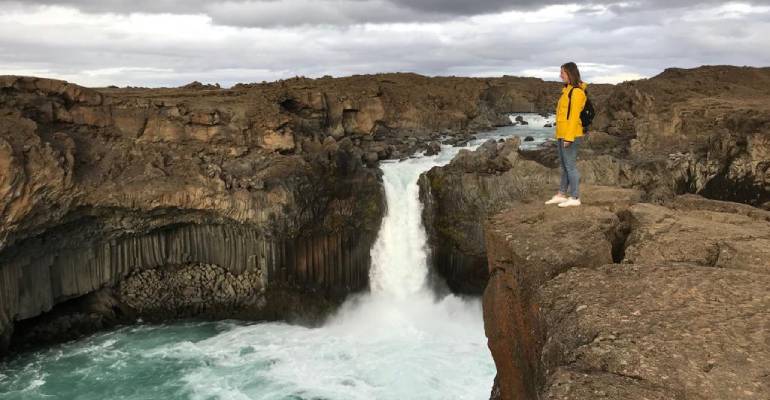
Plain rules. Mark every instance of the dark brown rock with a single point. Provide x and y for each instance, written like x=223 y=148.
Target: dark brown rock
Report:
x=433 y=149
x=710 y=139
x=527 y=245
x=457 y=197
x=195 y=85
x=133 y=181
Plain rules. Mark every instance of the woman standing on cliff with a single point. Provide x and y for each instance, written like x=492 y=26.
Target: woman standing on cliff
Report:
x=569 y=135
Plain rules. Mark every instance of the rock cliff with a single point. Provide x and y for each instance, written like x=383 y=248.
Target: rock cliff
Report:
x=459 y=196
x=261 y=201
x=682 y=315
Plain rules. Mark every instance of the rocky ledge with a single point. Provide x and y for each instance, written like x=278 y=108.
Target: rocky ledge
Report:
x=682 y=312
x=257 y=202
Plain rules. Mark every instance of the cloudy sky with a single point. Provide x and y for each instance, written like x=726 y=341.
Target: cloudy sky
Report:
x=173 y=42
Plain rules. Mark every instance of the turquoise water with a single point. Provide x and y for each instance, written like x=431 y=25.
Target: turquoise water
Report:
x=124 y=363
x=234 y=360
x=397 y=341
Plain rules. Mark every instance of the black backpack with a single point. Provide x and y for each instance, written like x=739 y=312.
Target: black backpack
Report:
x=588 y=112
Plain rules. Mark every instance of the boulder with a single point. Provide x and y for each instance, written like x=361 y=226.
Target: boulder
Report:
x=433 y=149
x=370 y=158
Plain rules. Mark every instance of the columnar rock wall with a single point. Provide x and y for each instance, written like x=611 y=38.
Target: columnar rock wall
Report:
x=37 y=279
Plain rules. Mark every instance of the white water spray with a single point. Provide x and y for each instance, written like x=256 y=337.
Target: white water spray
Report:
x=533 y=120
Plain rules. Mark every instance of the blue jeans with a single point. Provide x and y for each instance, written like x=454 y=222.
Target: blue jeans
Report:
x=570 y=176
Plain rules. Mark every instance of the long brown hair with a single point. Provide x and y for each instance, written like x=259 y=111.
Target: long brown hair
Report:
x=572 y=73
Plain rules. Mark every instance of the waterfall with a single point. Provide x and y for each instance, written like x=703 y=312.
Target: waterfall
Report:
x=400 y=252
x=399 y=255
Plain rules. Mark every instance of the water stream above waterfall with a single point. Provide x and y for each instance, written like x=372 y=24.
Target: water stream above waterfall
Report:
x=397 y=341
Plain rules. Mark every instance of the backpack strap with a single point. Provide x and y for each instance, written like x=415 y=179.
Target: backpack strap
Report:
x=569 y=103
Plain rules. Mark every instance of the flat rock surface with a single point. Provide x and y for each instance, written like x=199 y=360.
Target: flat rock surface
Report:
x=686 y=315
x=699 y=236
x=684 y=332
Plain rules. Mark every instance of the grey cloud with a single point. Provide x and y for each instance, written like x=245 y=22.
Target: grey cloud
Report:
x=310 y=12
x=643 y=42
x=270 y=13
x=119 y=6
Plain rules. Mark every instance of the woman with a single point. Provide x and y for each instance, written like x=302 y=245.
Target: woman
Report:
x=569 y=135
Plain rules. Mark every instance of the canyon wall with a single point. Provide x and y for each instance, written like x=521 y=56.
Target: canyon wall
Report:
x=260 y=202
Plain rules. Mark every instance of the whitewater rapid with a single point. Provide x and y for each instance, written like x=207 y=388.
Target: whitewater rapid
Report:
x=397 y=341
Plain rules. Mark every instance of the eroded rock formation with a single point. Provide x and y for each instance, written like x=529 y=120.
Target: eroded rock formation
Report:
x=459 y=196
x=562 y=320
x=260 y=201
x=704 y=130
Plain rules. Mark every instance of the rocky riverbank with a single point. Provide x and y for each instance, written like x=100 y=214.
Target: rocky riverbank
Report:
x=257 y=202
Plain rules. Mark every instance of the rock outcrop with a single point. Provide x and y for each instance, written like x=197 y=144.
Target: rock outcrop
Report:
x=704 y=130
x=715 y=237
x=664 y=136
x=261 y=201
x=563 y=321
x=458 y=196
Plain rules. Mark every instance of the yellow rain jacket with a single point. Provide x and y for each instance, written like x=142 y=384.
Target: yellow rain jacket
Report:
x=570 y=128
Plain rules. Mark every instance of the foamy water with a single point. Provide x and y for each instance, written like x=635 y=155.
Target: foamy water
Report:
x=535 y=128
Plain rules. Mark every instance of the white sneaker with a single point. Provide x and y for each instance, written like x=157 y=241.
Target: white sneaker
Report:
x=557 y=199
x=571 y=202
